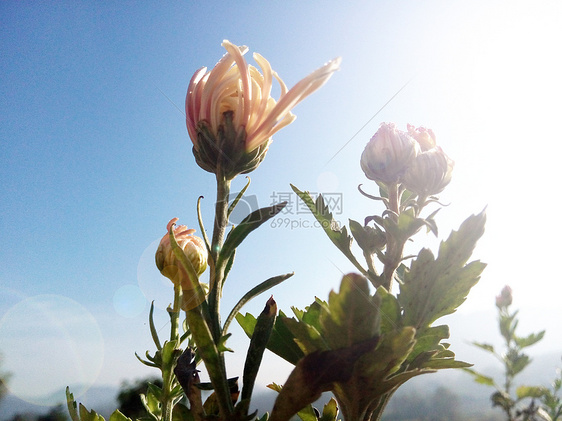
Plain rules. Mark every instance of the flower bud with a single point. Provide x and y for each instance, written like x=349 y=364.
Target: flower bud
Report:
x=505 y=298
x=388 y=154
x=429 y=173
x=194 y=249
x=424 y=137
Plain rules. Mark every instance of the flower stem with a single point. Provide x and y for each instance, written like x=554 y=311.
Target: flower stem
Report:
x=212 y=358
x=394 y=249
x=208 y=333
x=168 y=376
x=217 y=273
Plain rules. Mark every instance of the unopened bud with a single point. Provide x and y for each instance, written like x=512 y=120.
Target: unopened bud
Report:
x=505 y=298
x=424 y=137
x=192 y=246
x=429 y=173
x=388 y=154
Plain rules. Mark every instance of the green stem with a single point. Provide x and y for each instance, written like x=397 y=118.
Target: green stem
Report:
x=207 y=332
x=394 y=249
x=212 y=358
x=168 y=376
x=217 y=272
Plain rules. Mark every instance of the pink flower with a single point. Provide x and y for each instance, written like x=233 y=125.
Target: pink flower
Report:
x=388 y=154
x=194 y=249
x=230 y=114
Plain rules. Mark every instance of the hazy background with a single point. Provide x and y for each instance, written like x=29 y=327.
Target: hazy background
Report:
x=95 y=160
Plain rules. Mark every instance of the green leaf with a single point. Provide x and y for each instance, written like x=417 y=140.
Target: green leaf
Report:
x=249 y=224
x=258 y=343
x=254 y=292
x=153 y=331
x=531 y=392
x=352 y=314
x=389 y=310
x=406 y=226
x=238 y=197
x=370 y=239
x=433 y=288
x=532 y=339
x=118 y=416
x=281 y=342
x=517 y=362
x=317 y=373
x=79 y=412
x=485 y=347
x=330 y=411
x=481 y=378
x=181 y=413
x=92 y=415
x=307 y=414
x=337 y=235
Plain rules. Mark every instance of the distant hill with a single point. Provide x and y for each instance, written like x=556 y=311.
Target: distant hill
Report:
x=449 y=390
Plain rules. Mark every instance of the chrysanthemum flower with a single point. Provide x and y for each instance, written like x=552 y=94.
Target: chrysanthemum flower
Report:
x=231 y=115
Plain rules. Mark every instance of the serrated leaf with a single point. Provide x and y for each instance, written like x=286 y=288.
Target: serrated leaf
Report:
x=118 y=416
x=78 y=412
x=338 y=235
x=532 y=339
x=316 y=373
x=435 y=287
x=442 y=363
x=389 y=310
x=428 y=343
x=352 y=314
x=86 y=415
x=531 y=392
x=307 y=414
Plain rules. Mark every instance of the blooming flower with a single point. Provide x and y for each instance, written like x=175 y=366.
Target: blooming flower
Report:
x=231 y=116
x=388 y=154
x=429 y=173
x=194 y=249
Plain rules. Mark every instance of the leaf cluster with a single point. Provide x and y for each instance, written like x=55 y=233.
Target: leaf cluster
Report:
x=363 y=346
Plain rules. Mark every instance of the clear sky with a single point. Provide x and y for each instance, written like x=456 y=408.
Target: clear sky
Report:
x=95 y=160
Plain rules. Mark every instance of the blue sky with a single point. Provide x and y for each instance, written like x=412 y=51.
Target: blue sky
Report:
x=95 y=159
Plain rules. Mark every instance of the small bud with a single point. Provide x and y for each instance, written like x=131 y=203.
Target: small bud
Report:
x=505 y=298
x=424 y=137
x=194 y=249
x=429 y=173
x=388 y=154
